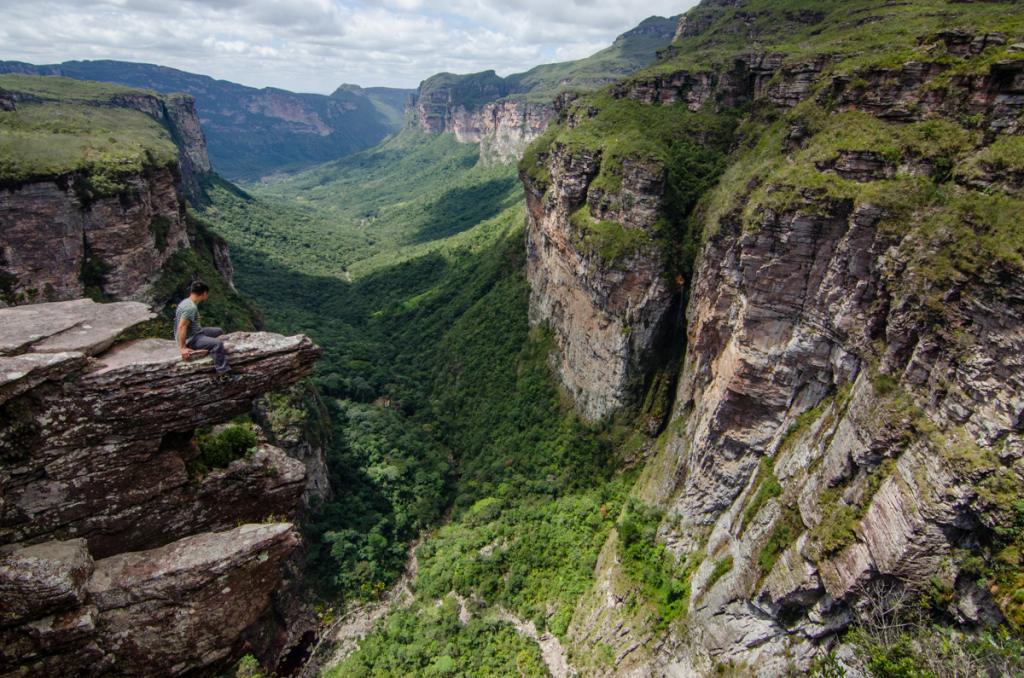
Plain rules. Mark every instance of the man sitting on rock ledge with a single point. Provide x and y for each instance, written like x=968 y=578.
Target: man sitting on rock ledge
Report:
x=192 y=336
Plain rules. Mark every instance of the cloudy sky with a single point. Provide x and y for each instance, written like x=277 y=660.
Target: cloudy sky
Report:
x=314 y=45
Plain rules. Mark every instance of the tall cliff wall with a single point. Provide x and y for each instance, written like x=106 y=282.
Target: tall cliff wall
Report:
x=605 y=310
x=503 y=128
x=89 y=218
x=114 y=560
x=848 y=414
x=50 y=233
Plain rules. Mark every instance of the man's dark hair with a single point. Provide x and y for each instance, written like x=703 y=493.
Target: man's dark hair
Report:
x=199 y=287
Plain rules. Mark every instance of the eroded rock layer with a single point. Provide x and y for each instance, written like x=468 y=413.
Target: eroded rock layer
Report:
x=48 y=235
x=115 y=561
x=605 y=313
x=848 y=418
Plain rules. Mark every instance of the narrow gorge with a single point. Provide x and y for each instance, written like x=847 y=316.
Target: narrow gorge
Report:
x=701 y=356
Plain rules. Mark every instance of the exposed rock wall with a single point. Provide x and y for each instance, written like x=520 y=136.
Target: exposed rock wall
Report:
x=176 y=610
x=502 y=128
x=605 y=314
x=95 y=436
x=48 y=232
x=827 y=358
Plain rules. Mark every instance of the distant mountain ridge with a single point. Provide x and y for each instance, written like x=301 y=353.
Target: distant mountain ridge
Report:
x=252 y=133
x=504 y=114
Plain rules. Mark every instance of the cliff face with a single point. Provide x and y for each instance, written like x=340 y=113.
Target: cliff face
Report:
x=49 y=232
x=503 y=128
x=605 y=312
x=115 y=561
x=472 y=108
x=848 y=414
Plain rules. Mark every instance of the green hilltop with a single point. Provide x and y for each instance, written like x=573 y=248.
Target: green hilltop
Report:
x=60 y=126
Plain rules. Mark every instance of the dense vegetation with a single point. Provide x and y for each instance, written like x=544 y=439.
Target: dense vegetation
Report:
x=403 y=198
x=440 y=393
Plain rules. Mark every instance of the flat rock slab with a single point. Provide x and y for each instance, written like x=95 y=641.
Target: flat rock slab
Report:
x=81 y=325
x=19 y=373
x=20 y=326
x=145 y=355
x=143 y=352
x=97 y=332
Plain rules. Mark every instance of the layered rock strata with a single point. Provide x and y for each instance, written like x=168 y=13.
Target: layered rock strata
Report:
x=177 y=610
x=502 y=128
x=49 y=236
x=605 y=314
x=848 y=415
x=94 y=494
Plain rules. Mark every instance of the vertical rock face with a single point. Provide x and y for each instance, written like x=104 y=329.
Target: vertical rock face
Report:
x=48 y=234
x=605 y=314
x=502 y=128
x=114 y=560
x=849 y=412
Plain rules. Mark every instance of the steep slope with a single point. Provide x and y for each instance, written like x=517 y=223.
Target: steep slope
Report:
x=253 y=133
x=118 y=557
x=846 y=419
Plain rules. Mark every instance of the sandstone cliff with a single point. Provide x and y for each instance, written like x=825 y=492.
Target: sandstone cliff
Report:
x=103 y=212
x=848 y=413
x=504 y=115
x=116 y=561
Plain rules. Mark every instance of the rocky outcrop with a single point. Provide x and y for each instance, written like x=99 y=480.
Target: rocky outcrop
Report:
x=848 y=414
x=96 y=434
x=176 y=610
x=297 y=422
x=473 y=108
x=55 y=240
x=503 y=129
x=176 y=112
x=605 y=314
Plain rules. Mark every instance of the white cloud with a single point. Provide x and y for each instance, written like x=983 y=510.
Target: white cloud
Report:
x=313 y=45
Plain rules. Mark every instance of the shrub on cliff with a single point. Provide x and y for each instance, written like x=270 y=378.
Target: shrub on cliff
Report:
x=217 y=451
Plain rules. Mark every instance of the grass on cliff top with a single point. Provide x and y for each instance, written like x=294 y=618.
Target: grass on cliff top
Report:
x=865 y=32
x=955 y=231
x=73 y=128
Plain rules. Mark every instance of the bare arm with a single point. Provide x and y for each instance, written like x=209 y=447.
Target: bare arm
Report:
x=186 y=352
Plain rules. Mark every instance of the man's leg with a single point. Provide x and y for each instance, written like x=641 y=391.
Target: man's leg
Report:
x=206 y=341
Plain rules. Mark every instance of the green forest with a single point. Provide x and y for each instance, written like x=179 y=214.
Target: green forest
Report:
x=405 y=262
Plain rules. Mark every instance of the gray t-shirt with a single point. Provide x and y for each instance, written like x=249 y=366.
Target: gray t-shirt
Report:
x=188 y=310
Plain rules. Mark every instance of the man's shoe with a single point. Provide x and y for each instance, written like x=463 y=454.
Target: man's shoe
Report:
x=227 y=378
